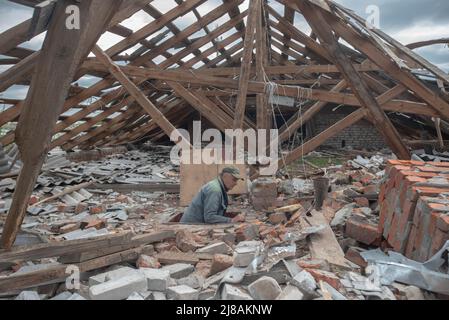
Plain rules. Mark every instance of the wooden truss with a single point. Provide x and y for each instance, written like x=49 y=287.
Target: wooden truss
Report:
x=158 y=77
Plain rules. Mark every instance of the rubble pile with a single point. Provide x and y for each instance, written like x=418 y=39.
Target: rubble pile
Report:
x=125 y=246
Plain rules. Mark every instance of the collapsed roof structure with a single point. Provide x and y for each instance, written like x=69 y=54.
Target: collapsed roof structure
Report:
x=155 y=78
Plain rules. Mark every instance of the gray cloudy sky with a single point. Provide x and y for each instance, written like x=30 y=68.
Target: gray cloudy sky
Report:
x=406 y=20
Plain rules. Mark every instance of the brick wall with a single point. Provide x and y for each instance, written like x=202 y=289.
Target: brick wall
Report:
x=362 y=135
x=414 y=209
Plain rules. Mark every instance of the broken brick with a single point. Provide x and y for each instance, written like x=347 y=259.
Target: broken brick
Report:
x=443 y=223
x=362 y=202
x=145 y=261
x=277 y=217
x=353 y=255
x=81 y=207
x=326 y=276
x=313 y=264
x=33 y=200
x=362 y=230
x=247 y=232
x=95 y=223
x=185 y=241
x=97 y=209
x=220 y=262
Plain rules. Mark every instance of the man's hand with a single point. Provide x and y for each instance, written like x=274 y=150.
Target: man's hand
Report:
x=238 y=218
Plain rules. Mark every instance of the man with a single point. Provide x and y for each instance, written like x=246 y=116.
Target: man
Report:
x=210 y=204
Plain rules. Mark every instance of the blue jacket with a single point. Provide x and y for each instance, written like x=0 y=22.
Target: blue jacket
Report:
x=209 y=205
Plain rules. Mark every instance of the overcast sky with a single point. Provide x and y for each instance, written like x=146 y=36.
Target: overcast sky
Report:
x=406 y=20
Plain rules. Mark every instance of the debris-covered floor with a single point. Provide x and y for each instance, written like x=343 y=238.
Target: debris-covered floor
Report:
x=110 y=223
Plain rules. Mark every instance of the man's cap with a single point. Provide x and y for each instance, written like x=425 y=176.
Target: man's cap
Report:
x=234 y=171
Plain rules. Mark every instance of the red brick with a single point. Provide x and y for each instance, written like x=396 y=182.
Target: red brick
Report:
x=95 y=223
x=220 y=262
x=443 y=223
x=33 y=199
x=97 y=209
x=411 y=242
x=383 y=216
x=276 y=218
x=81 y=207
x=362 y=202
x=326 y=276
x=371 y=189
x=383 y=190
x=312 y=264
x=62 y=207
x=438 y=240
x=362 y=231
x=353 y=255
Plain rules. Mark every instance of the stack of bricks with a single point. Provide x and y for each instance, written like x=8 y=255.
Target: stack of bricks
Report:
x=414 y=207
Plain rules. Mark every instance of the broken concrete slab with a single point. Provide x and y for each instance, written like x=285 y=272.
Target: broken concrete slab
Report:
x=342 y=215
x=76 y=296
x=305 y=282
x=158 y=296
x=194 y=281
x=120 y=288
x=290 y=292
x=182 y=292
x=231 y=292
x=179 y=270
x=135 y=296
x=28 y=295
x=216 y=248
x=62 y=296
x=158 y=279
x=206 y=294
x=111 y=275
x=246 y=252
x=265 y=288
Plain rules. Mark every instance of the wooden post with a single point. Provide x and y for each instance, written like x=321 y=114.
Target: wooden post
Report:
x=321 y=185
x=245 y=69
x=354 y=79
x=62 y=53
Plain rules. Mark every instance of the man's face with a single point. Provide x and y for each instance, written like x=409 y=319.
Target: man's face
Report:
x=229 y=180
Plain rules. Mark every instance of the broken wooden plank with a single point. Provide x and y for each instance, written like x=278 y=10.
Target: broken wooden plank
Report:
x=136 y=241
x=61 y=272
x=56 y=249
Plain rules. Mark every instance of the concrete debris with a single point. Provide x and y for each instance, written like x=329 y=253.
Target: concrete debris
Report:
x=231 y=292
x=265 y=288
x=182 y=292
x=216 y=248
x=28 y=295
x=395 y=206
x=119 y=289
x=158 y=279
x=194 y=281
x=179 y=270
x=290 y=292
x=305 y=282
x=135 y=296
x=246 y=252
